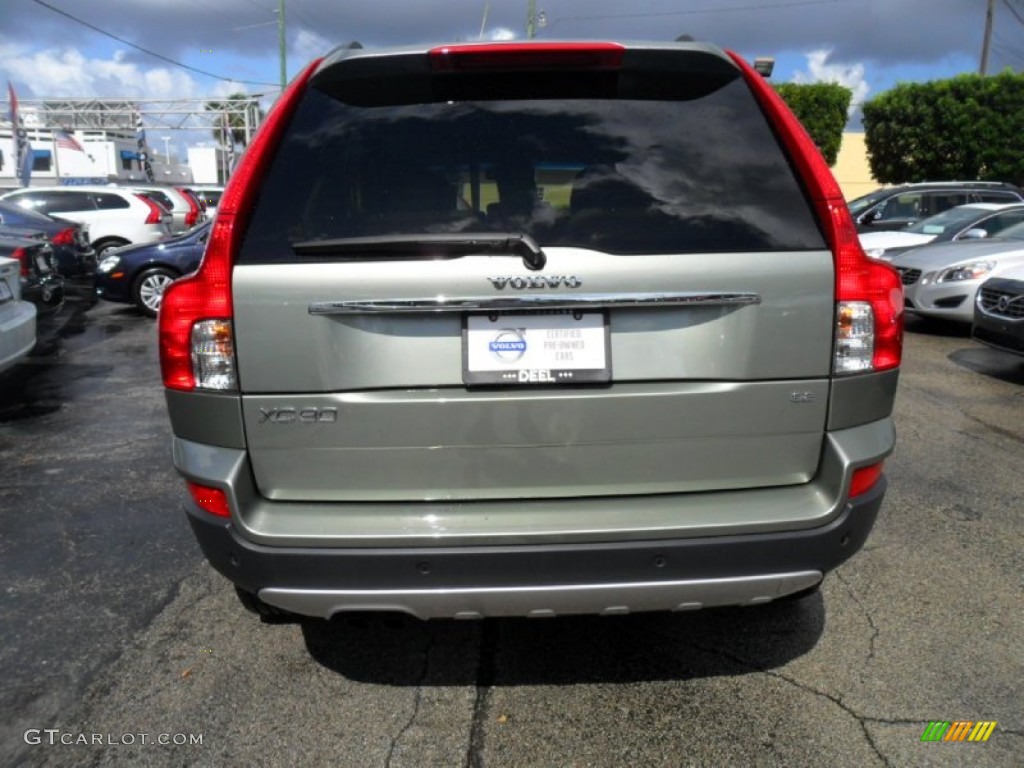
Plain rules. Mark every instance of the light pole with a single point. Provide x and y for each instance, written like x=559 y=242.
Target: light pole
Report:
x=281 y=43
x=167 y=150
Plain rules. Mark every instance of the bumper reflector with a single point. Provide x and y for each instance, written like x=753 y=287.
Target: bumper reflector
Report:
x=210 y=500
x=865 y=478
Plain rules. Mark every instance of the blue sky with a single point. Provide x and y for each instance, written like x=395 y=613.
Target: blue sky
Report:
x=868 y=45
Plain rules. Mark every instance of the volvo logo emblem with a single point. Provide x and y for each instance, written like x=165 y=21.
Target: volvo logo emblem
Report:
x=520 y=283
x=1003 y=304
x=509 y=345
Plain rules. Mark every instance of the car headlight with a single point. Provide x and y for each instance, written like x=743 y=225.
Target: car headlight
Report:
x=876 y=253
x=972 y=270
x=109 y=264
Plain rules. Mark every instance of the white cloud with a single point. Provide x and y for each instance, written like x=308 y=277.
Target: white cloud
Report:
x=66 y=72
x=821 y=70
x=501 y=34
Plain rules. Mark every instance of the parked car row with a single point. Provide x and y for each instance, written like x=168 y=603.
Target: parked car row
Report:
x=51 y=239
x=964 y=264
x=898 y=207
x=117 y=216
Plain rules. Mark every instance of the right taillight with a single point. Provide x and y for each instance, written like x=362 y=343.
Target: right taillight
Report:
x=869 y=301
x=156 y=213
x=869 y=294
x=197 y=347
x=193 y=208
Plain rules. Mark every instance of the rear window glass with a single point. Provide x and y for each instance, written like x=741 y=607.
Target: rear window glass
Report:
x=997 y=197
x=107 y=201
x=59 y=202
x=954 y=219
x=699 y=171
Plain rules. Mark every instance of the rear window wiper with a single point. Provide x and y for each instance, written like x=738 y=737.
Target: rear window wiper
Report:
x=428 y=246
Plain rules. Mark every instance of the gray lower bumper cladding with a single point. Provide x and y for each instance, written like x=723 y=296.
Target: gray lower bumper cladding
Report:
x=542 y=579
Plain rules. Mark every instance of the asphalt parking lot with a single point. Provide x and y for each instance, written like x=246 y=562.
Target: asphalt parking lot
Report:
x=114 y=630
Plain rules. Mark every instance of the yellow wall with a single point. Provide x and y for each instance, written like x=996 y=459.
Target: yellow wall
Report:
x=851 y=169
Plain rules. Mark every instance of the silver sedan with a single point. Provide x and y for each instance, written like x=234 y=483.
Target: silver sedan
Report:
x=942 y=280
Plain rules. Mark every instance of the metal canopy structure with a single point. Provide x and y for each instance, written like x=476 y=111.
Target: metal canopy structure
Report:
x=163 y=114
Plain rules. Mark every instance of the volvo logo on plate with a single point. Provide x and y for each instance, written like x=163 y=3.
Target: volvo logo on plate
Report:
x=509 y=345
x=550 y=281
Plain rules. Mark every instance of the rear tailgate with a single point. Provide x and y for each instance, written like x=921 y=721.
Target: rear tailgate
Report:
x=678 y=336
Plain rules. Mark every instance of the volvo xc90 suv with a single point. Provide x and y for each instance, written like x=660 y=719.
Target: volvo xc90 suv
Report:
x=531 y=329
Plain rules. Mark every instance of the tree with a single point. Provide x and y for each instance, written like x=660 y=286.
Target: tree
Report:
x=822 y=108
x=966 y=127
x=236 y=107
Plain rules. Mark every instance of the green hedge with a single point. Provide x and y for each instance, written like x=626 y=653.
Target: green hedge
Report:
x=821 y=107
x=966 y=127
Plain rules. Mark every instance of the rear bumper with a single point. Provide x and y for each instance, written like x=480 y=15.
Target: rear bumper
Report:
x=540 y=579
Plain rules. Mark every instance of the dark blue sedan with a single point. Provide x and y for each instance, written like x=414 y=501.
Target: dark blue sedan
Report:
x=138 y=274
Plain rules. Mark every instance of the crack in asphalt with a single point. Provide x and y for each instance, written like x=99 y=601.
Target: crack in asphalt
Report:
x=485 y=674
x=1008 y=434
x=875 y=631
x=861 y=719
x=417 y=700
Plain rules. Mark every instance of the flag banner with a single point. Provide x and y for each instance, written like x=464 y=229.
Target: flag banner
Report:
x=140 y=140
x=22 y=147
x=67 y=141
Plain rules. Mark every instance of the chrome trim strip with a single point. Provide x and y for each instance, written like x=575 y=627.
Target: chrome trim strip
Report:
x=544 y=601
x=533 y=301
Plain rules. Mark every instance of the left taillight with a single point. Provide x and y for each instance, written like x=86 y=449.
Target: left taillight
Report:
x=156 y=213
x=197 y=348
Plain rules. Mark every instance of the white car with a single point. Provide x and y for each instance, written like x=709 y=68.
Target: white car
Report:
x=115 y=216
x=185 y=212
x=17 y=317
x=942 y=280
x=966 y=222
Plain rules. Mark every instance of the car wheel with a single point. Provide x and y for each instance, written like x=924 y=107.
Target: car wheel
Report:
x=103 y=245
x=149 y=289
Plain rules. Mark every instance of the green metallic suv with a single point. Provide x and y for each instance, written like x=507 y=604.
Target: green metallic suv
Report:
x=531 y=329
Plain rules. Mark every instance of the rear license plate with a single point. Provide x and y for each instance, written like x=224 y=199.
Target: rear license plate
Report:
x=561 y=347
x=42 y=264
